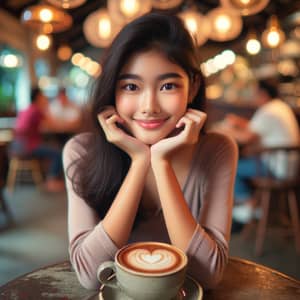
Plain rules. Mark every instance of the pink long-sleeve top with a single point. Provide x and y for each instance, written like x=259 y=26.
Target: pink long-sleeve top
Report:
x=27 y=128
x=208 y=190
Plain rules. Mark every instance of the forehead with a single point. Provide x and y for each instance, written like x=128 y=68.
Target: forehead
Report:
x=150 y=61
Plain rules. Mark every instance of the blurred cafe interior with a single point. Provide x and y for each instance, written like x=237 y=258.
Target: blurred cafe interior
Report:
x=57 y=44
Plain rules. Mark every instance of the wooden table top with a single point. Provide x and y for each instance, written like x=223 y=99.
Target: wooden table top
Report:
x=243 y=280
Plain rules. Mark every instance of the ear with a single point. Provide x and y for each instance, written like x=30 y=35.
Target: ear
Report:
x=194 y=88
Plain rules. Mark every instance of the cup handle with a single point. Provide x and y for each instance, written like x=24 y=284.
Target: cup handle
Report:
x=104 y=277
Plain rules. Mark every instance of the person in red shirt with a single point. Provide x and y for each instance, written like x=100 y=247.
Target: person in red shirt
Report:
x=28 y=140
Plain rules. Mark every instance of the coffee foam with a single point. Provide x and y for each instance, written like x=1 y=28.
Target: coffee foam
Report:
x=151 y=258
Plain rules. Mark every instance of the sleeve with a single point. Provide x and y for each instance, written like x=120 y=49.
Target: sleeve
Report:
x=89 y=244
x=209 y=246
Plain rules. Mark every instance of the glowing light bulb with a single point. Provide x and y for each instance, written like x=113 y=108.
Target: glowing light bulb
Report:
x=253 y=46
x=245 y=2
x=273 y=38
x=129 y=7
x=223 y=23
x=10 y=61
x=104 y=28
x=46 y=15
x=191 y=25
x=43 y=42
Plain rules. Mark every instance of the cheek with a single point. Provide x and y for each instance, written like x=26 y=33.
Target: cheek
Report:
x=176 y=105
x=124 y=106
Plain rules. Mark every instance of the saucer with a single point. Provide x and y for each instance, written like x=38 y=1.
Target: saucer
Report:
x=191 y=290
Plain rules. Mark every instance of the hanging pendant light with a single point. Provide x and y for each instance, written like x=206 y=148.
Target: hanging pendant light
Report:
x=225 y=24
x=67 y=4
x=245 y=7
x=273 y=36
x=253 y=45
x=165 y=4
x=99 y=29
x=124 y=11
x=197 y=24
x=46 y=18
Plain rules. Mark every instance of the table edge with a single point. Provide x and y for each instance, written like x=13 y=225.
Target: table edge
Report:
x=263 y=267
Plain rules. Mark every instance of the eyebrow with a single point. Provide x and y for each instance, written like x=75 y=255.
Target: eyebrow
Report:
x=160 y=77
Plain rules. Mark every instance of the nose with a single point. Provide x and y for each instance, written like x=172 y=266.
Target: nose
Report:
x=149 y=103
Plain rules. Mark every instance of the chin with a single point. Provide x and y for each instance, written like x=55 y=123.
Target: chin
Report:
x=151 y=140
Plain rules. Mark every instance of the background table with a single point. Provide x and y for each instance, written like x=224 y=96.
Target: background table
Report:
x=243 y=280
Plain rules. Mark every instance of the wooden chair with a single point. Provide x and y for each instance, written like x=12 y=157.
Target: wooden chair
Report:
x=19 y=164
x=270 y=187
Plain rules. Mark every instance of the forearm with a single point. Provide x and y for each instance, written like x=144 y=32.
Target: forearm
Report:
x=208 y=255
x=179 y=220
x=119 y=219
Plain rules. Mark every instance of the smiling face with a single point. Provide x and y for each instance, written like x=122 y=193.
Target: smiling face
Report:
x=151 y=96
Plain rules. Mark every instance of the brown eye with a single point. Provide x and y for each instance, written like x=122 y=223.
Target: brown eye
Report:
x=168 y=86
x=130 y=87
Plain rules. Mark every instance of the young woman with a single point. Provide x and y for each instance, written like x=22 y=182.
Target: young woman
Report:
x=147 y=170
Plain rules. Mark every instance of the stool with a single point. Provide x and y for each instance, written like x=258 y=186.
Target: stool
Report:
x=19 y=164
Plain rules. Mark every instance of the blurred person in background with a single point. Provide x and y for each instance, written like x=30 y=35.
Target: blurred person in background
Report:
x=64 y=110
x=28 y=139
x=273 y=124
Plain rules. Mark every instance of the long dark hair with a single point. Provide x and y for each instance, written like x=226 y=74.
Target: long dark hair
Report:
x=101 y=171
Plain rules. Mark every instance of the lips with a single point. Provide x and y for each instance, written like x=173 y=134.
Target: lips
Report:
x=151 y=124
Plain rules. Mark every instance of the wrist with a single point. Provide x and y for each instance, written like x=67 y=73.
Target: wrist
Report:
x=159 y=162
x=141 y=160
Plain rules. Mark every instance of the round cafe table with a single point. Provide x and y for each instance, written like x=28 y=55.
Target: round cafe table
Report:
x=243 y=280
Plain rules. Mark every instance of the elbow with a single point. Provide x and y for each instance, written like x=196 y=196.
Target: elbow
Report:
x=211 y=281
x=85 y=273
x=208 y=275
x=208 y=279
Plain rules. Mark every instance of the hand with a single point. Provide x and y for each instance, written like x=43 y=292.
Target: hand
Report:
x=189 y=127
x=110 y=122
x=233 y=120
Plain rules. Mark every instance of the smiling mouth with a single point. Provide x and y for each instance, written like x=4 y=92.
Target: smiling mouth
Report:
x=151 y=124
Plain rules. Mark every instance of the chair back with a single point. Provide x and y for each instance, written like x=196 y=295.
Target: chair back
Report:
x=278 y=164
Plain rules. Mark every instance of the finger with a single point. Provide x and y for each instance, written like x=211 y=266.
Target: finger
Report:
x=198 y=118
x=184 y=121
x=180 y=123
x=114 y=119
x=106 y=113
x=196 y=114
x=193 y=115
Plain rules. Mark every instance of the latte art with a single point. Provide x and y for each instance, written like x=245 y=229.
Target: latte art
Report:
x=151 y=259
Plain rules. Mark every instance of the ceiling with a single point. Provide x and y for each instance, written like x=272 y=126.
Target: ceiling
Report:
x=75 y=38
